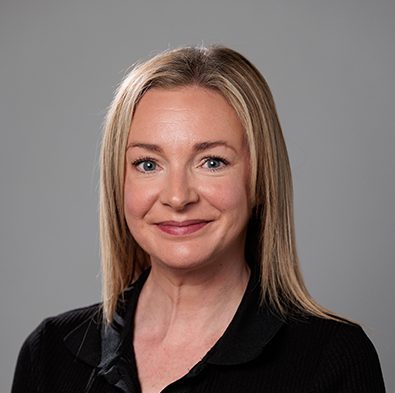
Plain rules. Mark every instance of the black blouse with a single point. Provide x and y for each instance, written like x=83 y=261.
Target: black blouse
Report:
x=259 y=352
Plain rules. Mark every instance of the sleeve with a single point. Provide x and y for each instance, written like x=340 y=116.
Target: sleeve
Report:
x=349 y=364
x=26 y=367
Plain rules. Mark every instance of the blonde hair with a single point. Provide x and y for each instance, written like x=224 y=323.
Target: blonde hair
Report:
x=270 y=236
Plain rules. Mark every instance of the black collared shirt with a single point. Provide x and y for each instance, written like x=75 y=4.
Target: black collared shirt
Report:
x=259 y=352
x=235 y=347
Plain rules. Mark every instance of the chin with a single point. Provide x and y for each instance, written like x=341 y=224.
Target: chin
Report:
x=184 y=260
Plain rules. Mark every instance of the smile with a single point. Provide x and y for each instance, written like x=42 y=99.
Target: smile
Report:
x=181 y=228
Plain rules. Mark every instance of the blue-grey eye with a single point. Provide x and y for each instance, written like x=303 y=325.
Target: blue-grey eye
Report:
x=149 y=166
x=145 y=165
x=213 y=163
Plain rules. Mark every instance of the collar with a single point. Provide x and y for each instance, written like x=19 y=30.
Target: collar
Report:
x=251 y=329
x=84 y=340
x=97 y=344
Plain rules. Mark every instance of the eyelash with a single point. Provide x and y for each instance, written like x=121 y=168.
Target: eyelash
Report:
x=139 y=161
x=223 y=160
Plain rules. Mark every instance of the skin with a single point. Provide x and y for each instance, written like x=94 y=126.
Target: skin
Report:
x=187 y=204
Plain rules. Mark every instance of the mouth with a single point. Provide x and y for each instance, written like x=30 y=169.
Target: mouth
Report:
x=181 y=228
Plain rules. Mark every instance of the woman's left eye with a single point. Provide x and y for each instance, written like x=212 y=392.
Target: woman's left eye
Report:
x=214 y=163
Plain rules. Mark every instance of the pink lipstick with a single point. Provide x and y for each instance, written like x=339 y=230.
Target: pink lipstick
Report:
x=180 y=228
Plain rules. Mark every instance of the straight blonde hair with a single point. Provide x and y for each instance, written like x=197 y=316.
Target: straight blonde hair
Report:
x=270 y=240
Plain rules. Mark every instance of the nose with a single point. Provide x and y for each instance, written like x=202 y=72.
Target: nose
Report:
x=178 y=190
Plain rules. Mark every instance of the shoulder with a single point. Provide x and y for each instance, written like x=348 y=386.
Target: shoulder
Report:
x=53 y=332
x=61 y=324
x=331 y=335
x=341 y=354
x=335 y=338
x=52 y=346
x=65 y=321
x=323 y=328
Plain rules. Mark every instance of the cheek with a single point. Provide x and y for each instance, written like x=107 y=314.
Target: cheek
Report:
x=137 y=200
x=227 y=195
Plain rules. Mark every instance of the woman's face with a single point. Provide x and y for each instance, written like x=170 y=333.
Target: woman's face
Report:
x=187 y=179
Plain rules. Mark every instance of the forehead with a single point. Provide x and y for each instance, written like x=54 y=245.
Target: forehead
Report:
x=185 y=114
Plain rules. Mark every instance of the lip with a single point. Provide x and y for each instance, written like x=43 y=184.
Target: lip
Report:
x=181 y=228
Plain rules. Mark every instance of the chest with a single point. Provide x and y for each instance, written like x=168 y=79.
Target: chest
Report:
x=160 y=364
x=260 y=376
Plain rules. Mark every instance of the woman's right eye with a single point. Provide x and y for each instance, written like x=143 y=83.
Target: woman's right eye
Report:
x=145 y=165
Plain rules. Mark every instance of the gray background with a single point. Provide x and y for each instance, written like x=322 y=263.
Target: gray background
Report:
x=331 y=67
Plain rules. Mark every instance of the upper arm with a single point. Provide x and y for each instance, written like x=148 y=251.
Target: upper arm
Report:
x=27 y=363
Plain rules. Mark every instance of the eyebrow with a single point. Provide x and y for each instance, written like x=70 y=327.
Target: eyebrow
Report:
x=146 y=146
x=197 y=147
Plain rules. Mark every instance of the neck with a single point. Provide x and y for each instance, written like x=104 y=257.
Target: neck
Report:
x=171 y=302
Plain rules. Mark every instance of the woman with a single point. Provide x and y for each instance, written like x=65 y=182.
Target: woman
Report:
x=202 y=288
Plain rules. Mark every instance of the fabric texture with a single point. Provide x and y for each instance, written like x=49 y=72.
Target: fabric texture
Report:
x=259 y=352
